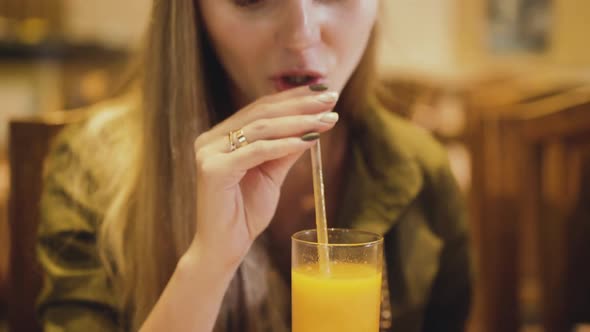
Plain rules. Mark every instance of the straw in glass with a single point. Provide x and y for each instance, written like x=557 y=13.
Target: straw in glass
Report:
x=320 y=207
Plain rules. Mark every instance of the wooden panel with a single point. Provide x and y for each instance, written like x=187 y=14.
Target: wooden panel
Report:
x=527 y=165
x=29 y=141
x=562 y=149
x=494 y=212
x=577 y=278
x=4 y=239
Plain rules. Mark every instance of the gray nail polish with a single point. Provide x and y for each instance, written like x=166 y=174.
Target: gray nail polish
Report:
x=310 y=137
x=318 y=87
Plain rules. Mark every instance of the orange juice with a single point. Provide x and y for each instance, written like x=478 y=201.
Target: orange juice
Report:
x=345 y=299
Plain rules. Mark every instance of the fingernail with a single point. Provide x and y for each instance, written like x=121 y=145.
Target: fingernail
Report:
x=328 y=97
x=318 y=87
x=330 y=117
x=310 y=137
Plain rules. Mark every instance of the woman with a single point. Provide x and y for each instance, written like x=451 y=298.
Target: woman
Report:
x=187 y=217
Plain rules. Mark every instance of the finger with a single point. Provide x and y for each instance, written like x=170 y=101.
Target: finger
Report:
x=295 y=106
x=241 y=160
x=296 y=92
x=278 y=169
x=314 y=93
x=303 y=105
x=288 y=126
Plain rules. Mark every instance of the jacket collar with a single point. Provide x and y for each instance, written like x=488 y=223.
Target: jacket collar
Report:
x=384 y=176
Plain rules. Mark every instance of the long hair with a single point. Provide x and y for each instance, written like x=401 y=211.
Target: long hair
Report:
x=151 y=220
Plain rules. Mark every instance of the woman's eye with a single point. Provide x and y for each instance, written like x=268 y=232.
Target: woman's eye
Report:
x=248 y=3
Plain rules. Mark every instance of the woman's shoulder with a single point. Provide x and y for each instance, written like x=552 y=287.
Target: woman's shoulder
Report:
x=395 y=162
x=81 y=171
x=86 y=155
x=406 y=140
x=100 y=128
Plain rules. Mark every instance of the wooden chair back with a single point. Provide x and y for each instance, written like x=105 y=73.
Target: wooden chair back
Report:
x=29 y=143
x=529 y=160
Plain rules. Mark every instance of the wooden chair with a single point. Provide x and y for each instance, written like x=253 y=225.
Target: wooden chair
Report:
x=528 y=162
x=29 y=142
x=4 y=247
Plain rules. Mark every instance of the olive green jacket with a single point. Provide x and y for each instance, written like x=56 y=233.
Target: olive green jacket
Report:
x=399 y=185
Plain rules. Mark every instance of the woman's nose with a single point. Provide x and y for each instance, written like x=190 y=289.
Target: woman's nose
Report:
x=300 y=27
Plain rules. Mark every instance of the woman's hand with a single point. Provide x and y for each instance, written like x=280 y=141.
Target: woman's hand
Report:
x=237 y=195
x=238 y=191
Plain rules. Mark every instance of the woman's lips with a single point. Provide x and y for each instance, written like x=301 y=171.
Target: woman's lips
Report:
x=281 y=84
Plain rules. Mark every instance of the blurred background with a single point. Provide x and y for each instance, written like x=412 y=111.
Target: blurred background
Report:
x=503 y=84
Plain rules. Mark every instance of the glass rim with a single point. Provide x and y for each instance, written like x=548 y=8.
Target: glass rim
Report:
x=378 y=238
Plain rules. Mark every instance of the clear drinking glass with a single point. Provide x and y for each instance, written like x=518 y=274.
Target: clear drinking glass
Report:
x=343 y=294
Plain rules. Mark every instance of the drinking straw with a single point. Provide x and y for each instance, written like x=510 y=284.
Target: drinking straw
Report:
x=320 y=207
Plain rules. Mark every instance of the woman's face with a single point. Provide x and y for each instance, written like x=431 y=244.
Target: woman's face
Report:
x=268 y=46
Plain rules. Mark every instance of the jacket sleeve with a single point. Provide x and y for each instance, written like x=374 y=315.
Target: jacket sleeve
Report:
x=450 y=298
x=76 y=294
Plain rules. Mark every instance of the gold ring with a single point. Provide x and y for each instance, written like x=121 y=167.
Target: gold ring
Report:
x=237 y=140
x=232 y=145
